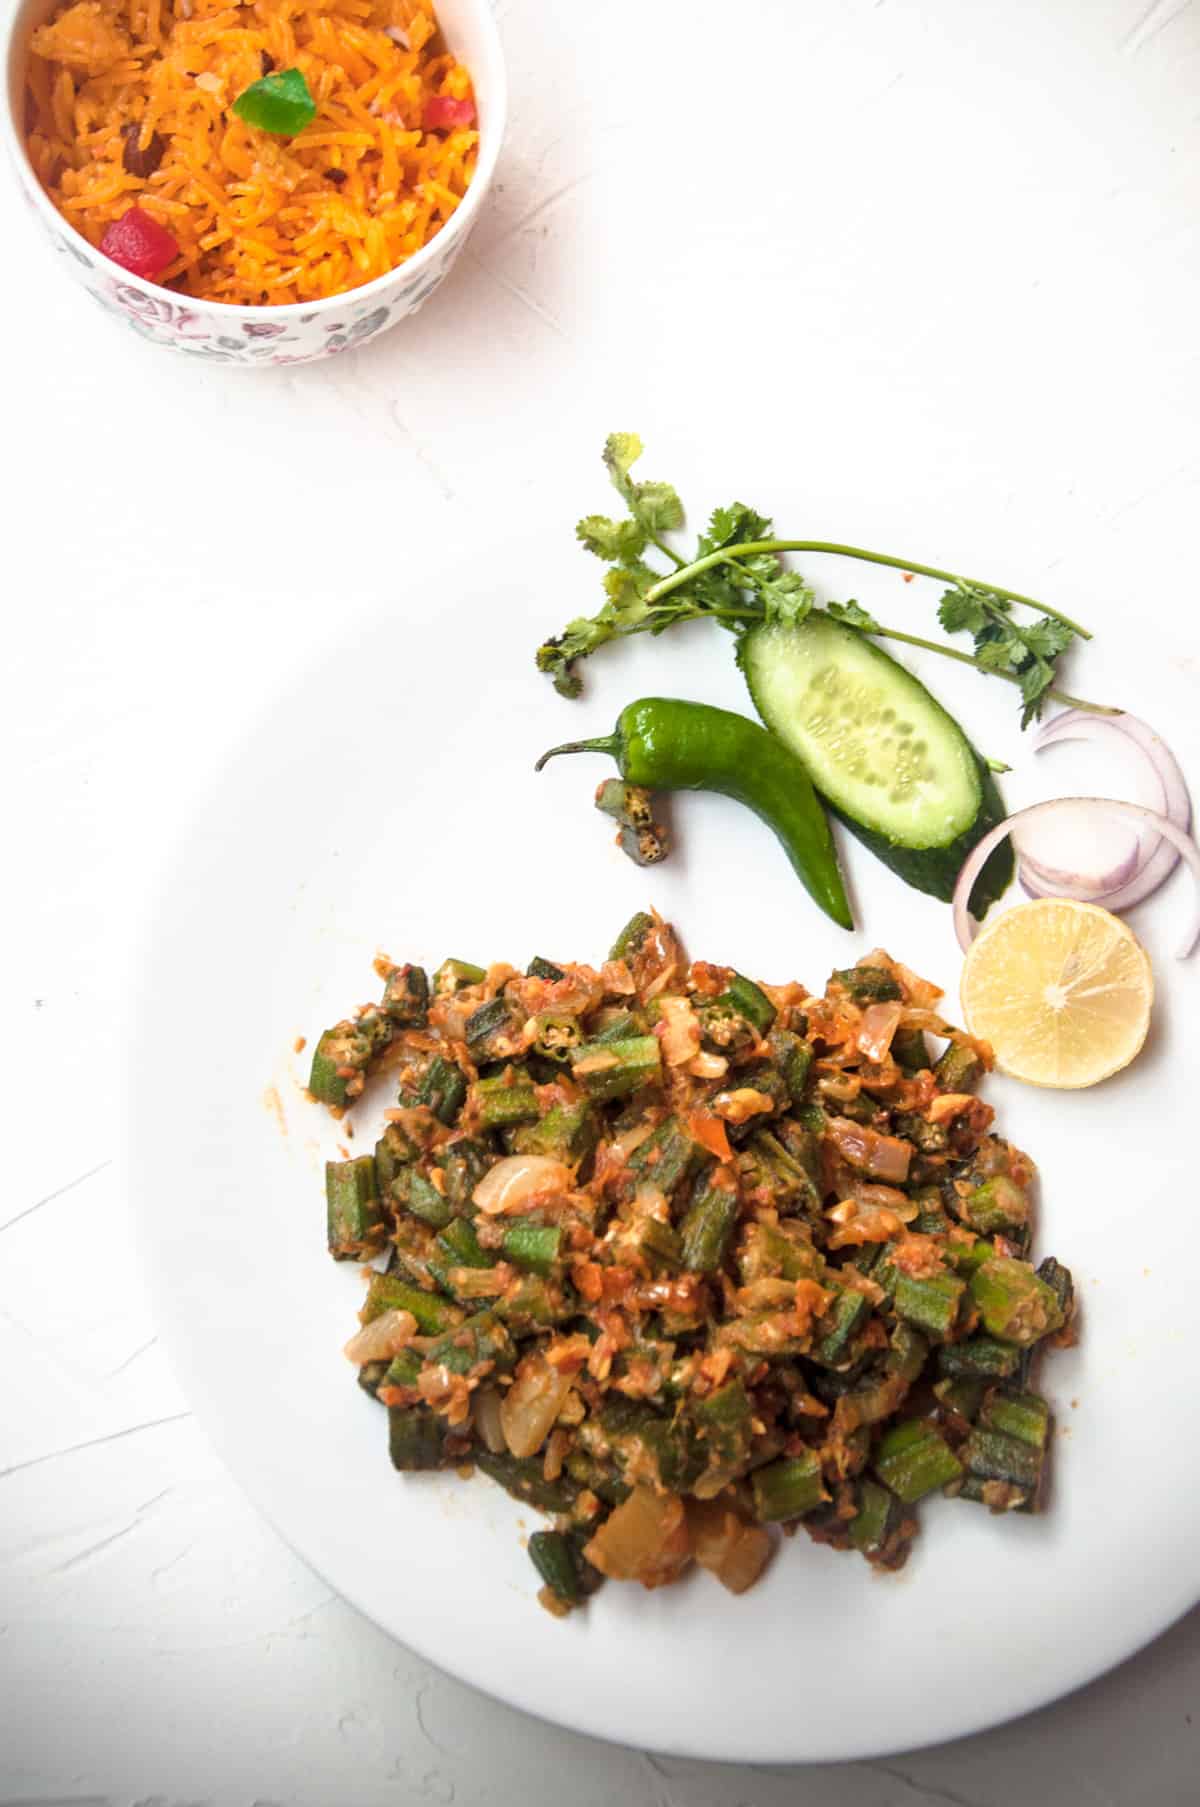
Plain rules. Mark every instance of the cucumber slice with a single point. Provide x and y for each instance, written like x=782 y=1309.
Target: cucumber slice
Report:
x=876 y=744
x=935 y=870
x=852 y=714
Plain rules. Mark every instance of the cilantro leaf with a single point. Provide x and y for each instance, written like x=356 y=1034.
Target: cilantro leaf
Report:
x=1036 y=680
x=852 y=614
x=760 y=567
x=657 y=507
x=787 y=599
x=621 y=453
x=625 y=587
x=733 y=526
x=609 y=539
x=1047 y=638
x=999 y=652
x=961 y=609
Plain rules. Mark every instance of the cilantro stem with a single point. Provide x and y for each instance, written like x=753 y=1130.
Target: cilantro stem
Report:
x=749 y=547
x=952 y=652
x=667 y=551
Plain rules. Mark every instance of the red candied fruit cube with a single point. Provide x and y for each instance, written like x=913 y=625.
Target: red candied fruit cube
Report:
x=139 y=244
x=442 y=113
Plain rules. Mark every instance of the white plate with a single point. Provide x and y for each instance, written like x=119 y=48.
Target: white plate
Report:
x=387 y=800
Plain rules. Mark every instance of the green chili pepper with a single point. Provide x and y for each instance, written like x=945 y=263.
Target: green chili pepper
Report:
x=279 y=103
x=665 y=744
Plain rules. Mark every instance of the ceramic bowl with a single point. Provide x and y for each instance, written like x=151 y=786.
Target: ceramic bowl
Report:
x=297 y=332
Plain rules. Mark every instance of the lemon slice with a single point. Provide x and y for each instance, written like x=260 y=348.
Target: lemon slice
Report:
x=1062 y=990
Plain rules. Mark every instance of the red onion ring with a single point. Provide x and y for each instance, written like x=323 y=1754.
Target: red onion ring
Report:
x=1150 y=861
x=1040 y=880
x=965 y=926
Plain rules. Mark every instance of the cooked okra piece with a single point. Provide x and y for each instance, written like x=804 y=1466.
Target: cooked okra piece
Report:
x=772 y=1252
x=960 y=1397
x=503 y=1100
x=1053 y=1274
x=959 y=1069
x=644 y=846
x=525 y=1479
x=412 y=1246
x=387 y=1292
x=642 y=1443
x=557 y=1037
x=568 y=1131
x=968 y=1259
x=477 y=1341
x=724 y=1422
x=910 y=1050
x=630 y=804
x=393 y=1151
x=931 y=1218
x=997 y=1496
x=667 y=1156
x=342 y=1056
x=1014 y=1304
x=867 y=984
x=608 y=1070
x=463 y=1164
x=737 y=1017
x=979 y=1358
x=876 y=1519
x=708 y=1222
x=640 y=837
x=658 y=1242
x=490 y=1028
x=543 y=969
x=354 y=1216
x=746 y=999
x=458 y=1246
x=533 y=1246
x=404 y=1370
x=991 y=1456
x=632 y=937
x=788 y=1488
x=791 y=1164
x=844 y=1317
x=619 y=1025
x=411 y=1191
x=907 y=1351
x=533 y=1304
x=794 y=1059
x=406 y=995
x=1025 y=1416
x=370 y=1377
x=561 y=1564
x=453 y=975
x=934 y=1304
x=442 y=1087
x=926 y=1137
x=416 y=1438
x=999 y=1205
x=914 y=1458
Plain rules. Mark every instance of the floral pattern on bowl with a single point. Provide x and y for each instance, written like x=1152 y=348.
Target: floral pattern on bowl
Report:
x=230 y=335
x=297 y=333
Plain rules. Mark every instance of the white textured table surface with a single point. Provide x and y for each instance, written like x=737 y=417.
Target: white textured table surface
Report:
x=941 y=259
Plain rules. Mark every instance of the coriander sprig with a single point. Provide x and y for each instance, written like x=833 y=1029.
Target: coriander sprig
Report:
x=737 y=577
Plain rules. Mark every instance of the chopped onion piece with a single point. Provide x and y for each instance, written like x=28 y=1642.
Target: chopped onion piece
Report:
x=532 y=1403
x=515 y=1182
x=965 y=926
